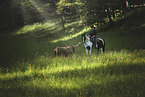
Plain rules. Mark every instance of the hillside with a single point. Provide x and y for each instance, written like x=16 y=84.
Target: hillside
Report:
x=29 y=68
x=127 y=33
x=35 y=40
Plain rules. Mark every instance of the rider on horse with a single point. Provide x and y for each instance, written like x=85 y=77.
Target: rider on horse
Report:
x=92 y=35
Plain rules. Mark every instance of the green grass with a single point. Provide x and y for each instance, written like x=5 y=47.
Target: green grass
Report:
x=30 y=69
x=108 y=75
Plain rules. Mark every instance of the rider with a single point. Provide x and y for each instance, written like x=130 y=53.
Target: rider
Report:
x=92 y=35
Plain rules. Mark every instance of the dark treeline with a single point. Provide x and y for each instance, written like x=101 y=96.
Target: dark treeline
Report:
x=16 y=13
x=10 y=18
x=96 y=11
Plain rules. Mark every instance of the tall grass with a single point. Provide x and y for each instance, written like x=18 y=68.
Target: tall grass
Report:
x=114 y=74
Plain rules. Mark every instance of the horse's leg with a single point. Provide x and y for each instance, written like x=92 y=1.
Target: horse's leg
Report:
x=104 y=48
x=86 y=51
x=90 y=51
x=94 y=42
x=98 y=50
x=101 y=50
x=96 y=45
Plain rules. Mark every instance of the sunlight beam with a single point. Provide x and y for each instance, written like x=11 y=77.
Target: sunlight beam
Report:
x=40 y=8
x=71 y=36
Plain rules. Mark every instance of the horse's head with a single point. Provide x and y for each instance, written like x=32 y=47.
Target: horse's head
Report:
x=83 y=38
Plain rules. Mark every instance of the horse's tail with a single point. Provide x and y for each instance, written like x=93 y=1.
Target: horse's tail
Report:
x=104 y=47
x=78 y=44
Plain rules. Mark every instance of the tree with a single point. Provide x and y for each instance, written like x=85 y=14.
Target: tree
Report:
x=68 y=11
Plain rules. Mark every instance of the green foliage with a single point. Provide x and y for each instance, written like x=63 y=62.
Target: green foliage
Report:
x=63 y=3
x=95 y=11
x=16 y=13
x=60 y=5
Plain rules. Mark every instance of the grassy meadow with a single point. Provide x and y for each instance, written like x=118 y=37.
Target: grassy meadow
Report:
x=30 y=69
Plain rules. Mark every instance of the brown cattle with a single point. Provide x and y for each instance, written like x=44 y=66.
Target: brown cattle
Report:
x=65 y=51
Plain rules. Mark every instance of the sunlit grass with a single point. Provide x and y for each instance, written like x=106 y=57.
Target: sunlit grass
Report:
x=143 y=25
x=79 y=75
x=72 y=30
x=36 y=27
x=74 y=23
x=65 y=38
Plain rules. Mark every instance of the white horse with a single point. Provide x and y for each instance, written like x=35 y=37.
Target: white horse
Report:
x=87 y=43
x=100 y=44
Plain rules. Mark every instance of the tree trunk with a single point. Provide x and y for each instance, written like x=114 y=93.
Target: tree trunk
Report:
x=109 y=14
x=62 y=22
x=113 y=12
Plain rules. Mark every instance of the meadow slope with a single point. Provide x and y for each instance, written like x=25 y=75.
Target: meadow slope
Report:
x=28 y=67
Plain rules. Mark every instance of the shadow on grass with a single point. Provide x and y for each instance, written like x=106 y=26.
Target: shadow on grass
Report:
x=37 y=42
x=118 y=80
x=125 y=86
